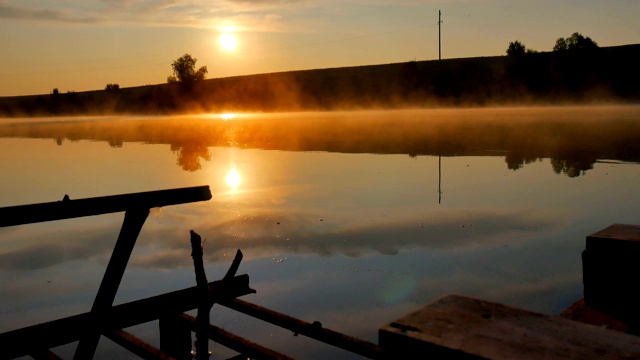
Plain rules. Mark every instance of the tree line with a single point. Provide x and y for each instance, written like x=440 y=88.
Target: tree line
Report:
x=577 y=70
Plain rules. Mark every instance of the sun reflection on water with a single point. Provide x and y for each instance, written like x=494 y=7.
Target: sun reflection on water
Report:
x=233 y=178
x=227 y=116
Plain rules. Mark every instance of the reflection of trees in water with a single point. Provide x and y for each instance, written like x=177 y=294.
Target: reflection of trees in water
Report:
x=575 y=158
x=516 y=160
x=573 y=165
x=571 y=168
x=189 y=155
x=574 y=138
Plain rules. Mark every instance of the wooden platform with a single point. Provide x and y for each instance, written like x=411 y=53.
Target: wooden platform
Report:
x=461 y=327
x=610 y=271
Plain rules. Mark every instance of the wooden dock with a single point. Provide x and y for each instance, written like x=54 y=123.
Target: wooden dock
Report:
x=175 y=327
x=602 y=325
x=452 y=327
x=464 y=328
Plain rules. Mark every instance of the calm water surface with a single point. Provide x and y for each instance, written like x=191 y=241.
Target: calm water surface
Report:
x=352 y=219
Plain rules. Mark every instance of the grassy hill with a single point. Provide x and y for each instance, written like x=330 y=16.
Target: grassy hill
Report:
x=609 y=74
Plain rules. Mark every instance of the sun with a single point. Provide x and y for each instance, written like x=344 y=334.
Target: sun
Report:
x=228 y=41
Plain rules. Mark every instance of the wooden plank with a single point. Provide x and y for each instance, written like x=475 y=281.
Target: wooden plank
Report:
x=136 y=346
x=131 y=227
x=44 y=355
x=234 y=342
x=609 y=271
x=55 y=333
x=619 y=238
x=312 y=330
x=462 y=327
x=584 y=313
x=68 y=209
x=175 y=338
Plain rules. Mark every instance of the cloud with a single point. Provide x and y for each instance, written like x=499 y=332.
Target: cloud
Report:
x=271 y=234
x=26 y=13
x=242 y=15
x=267 y=234
x=79 y=244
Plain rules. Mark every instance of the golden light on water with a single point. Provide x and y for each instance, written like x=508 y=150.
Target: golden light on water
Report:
x=227 y=116
x=233 y=178
x=228 y=42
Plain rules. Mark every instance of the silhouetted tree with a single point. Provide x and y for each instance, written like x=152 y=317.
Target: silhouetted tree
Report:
x=55 y=92
x=184 y=71
x=575 y=42
x=112 y=87
x=516 y=49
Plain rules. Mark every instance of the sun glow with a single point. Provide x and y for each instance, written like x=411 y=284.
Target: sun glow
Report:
x=228 y=41
x=233 y=178
x=227 y=116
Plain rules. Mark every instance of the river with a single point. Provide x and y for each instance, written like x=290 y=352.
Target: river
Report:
x=352 y=219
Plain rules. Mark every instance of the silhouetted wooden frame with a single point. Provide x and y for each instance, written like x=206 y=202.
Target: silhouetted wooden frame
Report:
x=69 y=209
x=106 y=319
x=136 y=207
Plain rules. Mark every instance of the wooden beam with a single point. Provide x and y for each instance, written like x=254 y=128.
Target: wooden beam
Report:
x=133 y=221
x=55 y=333
x=44 y=355
x=68 y=209
x=136 y=346
x=234 y=342
x=175 y=338
x=204 y=306
x=312 y=330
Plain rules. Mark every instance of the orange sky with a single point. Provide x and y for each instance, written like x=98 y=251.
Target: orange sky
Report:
x=76 y=45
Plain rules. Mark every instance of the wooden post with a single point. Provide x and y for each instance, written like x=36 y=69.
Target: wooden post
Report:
x=133 y=221
x=610 y=271
x=175 y=337
x=204 y=306
x=24 y=341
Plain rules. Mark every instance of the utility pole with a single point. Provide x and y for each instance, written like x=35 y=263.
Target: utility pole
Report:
x=439 y=35
x=439 y=58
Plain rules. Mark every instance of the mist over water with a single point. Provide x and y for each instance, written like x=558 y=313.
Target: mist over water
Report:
x=350 y=218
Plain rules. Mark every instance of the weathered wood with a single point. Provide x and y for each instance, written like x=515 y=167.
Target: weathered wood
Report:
x=234 y=342
x=133 y=221
x=204 y=306
x=55 y=333
x=59 y=210
x=610 y=271
x=136 y=346
x=580 y=311
x=617 y=237
x=175 y=338
x=461 y=327
x=43 y=355
x=234 y=266
x=311 y=330
x=238 y=357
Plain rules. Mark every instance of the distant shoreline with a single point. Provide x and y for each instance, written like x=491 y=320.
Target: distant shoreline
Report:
x=607 y=76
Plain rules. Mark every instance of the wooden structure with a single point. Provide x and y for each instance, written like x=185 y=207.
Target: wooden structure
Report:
x=451 y=327
x=610 y=269
x=175 y=326
x=464 y=328
x=594 y=327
